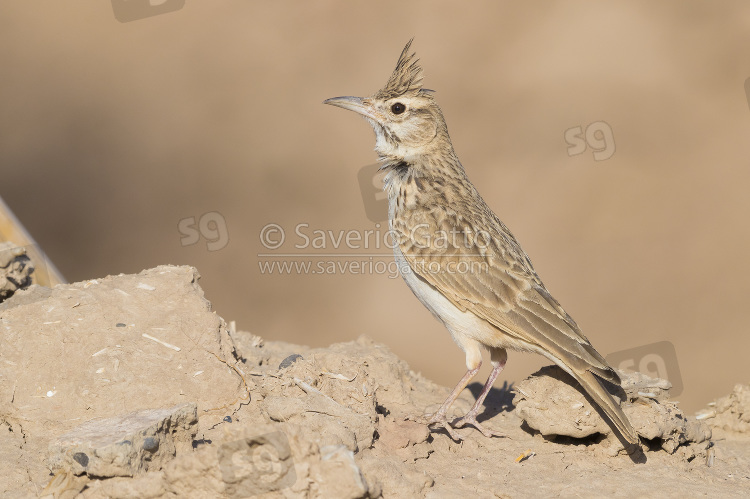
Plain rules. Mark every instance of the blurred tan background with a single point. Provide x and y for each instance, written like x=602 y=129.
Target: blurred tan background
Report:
x=112 y=133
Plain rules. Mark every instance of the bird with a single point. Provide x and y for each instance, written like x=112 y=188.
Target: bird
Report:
x=460 y=260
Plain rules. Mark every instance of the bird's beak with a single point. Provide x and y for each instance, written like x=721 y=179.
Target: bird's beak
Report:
x=356 y=104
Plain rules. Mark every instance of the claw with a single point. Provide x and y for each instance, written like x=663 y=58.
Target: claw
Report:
x=471 y=420
x=437 y=419
x=451 y=431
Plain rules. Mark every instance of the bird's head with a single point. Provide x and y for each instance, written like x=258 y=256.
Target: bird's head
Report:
x=406 y=119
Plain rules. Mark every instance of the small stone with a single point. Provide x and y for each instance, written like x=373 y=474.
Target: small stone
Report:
x=151 y=444
x=81 y=459
x=290 y=360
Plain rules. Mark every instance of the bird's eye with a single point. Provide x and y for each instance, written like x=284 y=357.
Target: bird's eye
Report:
x=398 y=108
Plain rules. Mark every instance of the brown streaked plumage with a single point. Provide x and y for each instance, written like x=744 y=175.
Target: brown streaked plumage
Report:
x=459 y=259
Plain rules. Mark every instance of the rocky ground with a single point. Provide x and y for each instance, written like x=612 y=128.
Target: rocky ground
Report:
x=15 y=269
x=131 y=387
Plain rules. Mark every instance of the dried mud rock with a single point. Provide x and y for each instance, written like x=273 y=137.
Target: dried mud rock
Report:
x=638 y=385
x=15 y=269
x=551 y=402
x=103 y=347
x=337 y=392
x=732 y=412
x=250 y=461
x=125 y=445
x=313 y=421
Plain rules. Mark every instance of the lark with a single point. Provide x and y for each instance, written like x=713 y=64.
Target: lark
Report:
x=460 y=260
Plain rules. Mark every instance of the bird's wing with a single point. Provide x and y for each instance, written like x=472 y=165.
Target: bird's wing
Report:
x=490 y=275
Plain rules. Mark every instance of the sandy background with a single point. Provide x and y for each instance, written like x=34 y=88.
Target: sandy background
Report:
x=112 y=133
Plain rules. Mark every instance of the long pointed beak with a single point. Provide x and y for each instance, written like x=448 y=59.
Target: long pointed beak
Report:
x=356 y=104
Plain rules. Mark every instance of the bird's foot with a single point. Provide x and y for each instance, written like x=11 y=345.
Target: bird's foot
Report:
x=470 y=419
x=437 y=419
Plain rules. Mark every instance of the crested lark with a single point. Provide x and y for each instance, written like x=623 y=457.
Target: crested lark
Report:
x=459 y=259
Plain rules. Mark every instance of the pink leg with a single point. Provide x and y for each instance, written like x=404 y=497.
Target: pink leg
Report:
x=439 y=417
x=499 y=358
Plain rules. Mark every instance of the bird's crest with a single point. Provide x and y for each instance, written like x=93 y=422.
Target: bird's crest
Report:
x=406 y=78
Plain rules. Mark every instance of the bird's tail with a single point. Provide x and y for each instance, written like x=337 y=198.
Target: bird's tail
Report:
x=596 y=390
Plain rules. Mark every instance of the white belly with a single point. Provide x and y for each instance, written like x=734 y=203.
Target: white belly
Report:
x=467 y=330
x=458 y=322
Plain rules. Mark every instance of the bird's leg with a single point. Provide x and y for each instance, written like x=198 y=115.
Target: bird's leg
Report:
x=499 y=357
x=439 y=417
x=440 y=414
